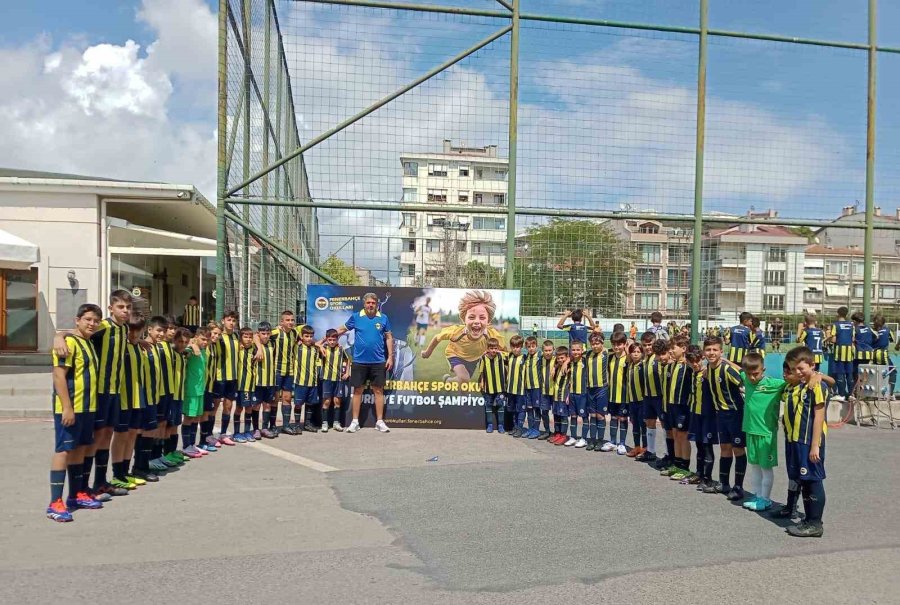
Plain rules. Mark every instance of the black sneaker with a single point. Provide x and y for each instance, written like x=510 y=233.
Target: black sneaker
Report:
x=785 y=512
x=146 y=476
x=543 y=436
x=735 y=494
x=310 y=428
x=590 y=446
x=289 y=430
x=806 y=530
x=517 y=433
x=712 y=487
x=662 y=463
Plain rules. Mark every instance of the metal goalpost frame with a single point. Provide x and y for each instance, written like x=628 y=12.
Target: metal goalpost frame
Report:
x=287 y=170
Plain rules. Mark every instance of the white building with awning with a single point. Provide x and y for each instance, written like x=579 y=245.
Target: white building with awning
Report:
x=68 y=239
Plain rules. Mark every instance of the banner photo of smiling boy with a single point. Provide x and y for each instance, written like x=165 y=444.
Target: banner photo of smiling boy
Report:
x=439 y=338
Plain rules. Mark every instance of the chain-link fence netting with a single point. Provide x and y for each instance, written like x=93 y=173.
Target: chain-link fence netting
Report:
x=391 y=135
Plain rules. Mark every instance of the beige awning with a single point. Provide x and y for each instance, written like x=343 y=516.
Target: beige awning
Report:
x=17 y=253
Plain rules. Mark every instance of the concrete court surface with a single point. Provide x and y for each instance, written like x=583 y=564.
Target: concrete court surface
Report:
x=364 y=518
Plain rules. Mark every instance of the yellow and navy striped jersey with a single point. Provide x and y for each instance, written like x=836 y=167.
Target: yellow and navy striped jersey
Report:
x=306 y=366
x=131 y=389
x=842 y=335
x=178 y=363
x=493 y=374
x=636 y=382
x=285 y=343
x=864 y=338
x=109 y=344
x=334 y=362
x=153 y=375
x=814 y=339
x=81 y=375
x=561 y=384
x=578 y=376
x=883 y=338
x=799 y=412
x=167 y=369
x=738 y=339
x=725 y=385
x=697 y=385
x=191 y=315
x=758 y=342
x=246 y=381
x=653 y=375
x=226 y=355
x=515 y=374
x=212 y=365
x=597 y=369
x=265 y=370
x=546 y=367
x=678 y=384
x=618 y=391
x=532 y=371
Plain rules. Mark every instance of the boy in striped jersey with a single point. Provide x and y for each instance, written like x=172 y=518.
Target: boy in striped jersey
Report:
x=306 y=383
x=335 y=372
x=618 y=396
x=180 y=341
x=266 y=383
x=533 y=387
x=654 y=365
x=74 y=406
x=636 y=384
x=560 y=396
x=703 y=419
x=515 y=384
x=158 y=459
x=208 y=442
x=738 y=337
x=725 y=383
x=864 y=339
x=145 y=467
x=493 y=386
x=191 y=318
x=812 y=337
x=133 y=396
x=678 y=394
x=577 y=396
x=246 y=389
x=227 y=349
x=546 y=365
x=284 y=342
x=844 y=353
x=597 y=392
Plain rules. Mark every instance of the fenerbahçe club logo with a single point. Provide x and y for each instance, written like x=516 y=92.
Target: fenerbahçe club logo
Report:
x=321 y=303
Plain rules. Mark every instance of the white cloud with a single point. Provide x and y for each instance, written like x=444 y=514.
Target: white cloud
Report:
x=110 y=109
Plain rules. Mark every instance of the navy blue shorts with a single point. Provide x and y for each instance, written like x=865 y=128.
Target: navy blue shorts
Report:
x=246 y=399
x=266 y=394
x=679 y=417
x=840 y=367
x=799 y=468
x=532 y=398
x=578 y=404
x=494 y=400
x=284 y=383
x=653 y=408
x=123 y=420
x=730 y=423
x=546 y=403
x=162 y=408
x=308 y=395
x=107 y=411
x=703 y=429
x=176 y=413
x=209 y=402
x=560 y=410
x=598 y=400
x=618 y=409
x=515 y=403
x=80 y=433
x=636 y=412
x=332 y=389
x=135 y=418
x=149 y=420
x=227 y=389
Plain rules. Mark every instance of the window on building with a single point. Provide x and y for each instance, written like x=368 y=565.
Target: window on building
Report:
x=463 y=170
x=488 y=222
x=410 y=194
x=463 y=197
x=677 y=278
x=648 y=228
x=890 y=292
x=437 y=170
x=646 y=302
x=774 y=278
x=409 y=219
x=679 y=254
x=434 y=273
x=650 y=253
x=410 y=169
x=437 y=195
x=675 y=302
x=499 y=199
x=491 y=248
x=774 y=302
x=777 y=254
x=837 y=267
x=433 y=245
x=461 y=246
x=409 y=245
x=648 y=278
x=812 y=295
x=858 y=269
x=410 y=270
x=814 y=271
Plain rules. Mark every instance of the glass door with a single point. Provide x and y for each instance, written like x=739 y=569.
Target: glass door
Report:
x=18 y=309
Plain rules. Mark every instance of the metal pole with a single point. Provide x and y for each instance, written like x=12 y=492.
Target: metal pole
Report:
x=371 y=108
x=245 y=247
x=513 y=146
x=263 y=282
x=870 y=167
x=222 y=183
x=697 y=260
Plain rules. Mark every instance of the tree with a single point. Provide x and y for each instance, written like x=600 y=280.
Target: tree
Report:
x=340 y=271
x=806 y=232
x=476 y=274
x=571 y=263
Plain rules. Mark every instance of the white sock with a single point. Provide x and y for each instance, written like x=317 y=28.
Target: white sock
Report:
x=755 y=473
x=768 y=478
x=651 y=441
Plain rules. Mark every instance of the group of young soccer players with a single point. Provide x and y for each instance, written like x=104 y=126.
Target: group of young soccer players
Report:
x=586 y=396
x=125 y=386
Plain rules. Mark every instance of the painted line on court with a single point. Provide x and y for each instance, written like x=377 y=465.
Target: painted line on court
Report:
x=300 y=460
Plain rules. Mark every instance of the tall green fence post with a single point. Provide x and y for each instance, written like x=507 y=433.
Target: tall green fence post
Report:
x=870 y=165
x=697 y=256
x=221 y=181
x=513 y=144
